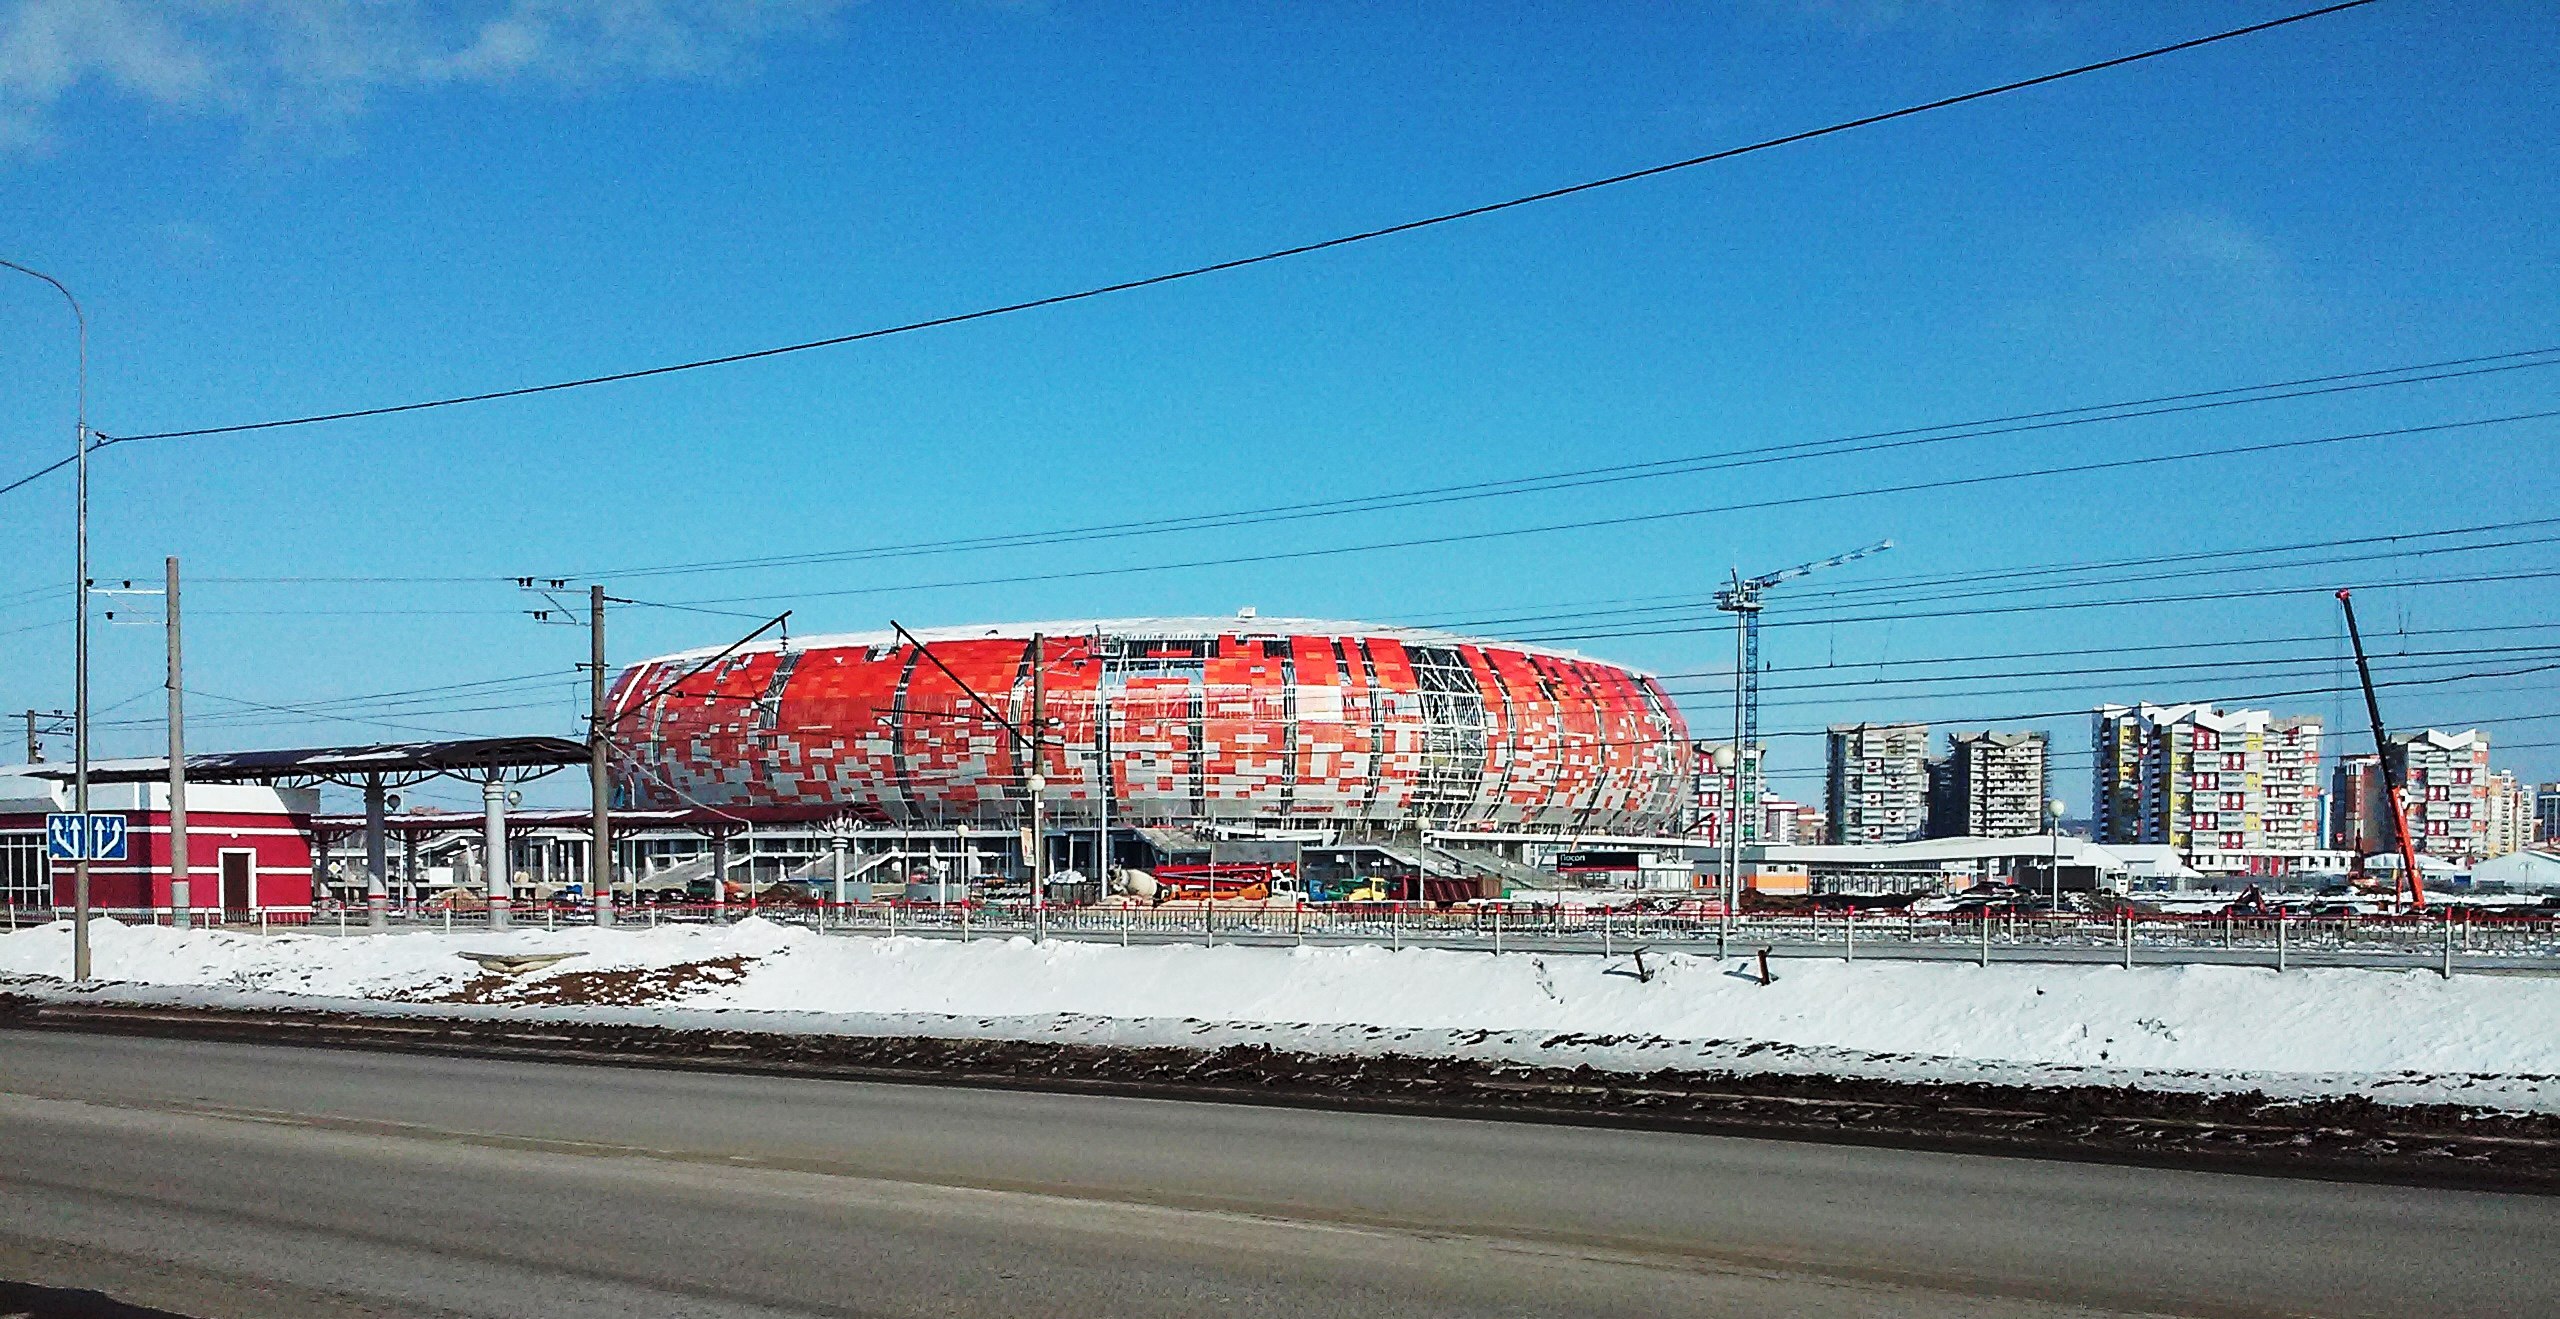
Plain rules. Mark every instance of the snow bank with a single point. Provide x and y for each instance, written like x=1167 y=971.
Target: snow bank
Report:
x=2407 y=1036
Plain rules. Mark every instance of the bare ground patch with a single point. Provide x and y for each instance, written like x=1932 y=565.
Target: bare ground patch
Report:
x=627 y=987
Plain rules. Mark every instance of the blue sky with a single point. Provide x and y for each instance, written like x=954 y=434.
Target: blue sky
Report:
x=272 y=210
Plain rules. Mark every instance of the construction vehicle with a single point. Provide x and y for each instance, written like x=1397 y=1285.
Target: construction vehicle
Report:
x=2410 y=876
x=1232 y=881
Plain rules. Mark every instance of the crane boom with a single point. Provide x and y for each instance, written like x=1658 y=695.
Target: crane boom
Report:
x=1789 y=574
x=1742 y=600
x=2382 y=759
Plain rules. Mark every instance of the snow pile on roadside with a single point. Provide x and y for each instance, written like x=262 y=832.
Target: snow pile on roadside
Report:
x=2408 y=1036
x=420 y=965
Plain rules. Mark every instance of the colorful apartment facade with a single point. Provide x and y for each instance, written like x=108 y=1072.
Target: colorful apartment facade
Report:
x=2234 y=791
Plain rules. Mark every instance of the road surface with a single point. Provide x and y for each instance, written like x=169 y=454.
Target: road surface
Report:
x=245 y=1180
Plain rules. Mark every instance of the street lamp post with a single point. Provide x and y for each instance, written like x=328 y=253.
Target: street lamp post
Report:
x=2053 y=867
x=79 y=635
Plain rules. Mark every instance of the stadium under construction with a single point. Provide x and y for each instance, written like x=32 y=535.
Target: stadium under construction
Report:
x=1421 y=761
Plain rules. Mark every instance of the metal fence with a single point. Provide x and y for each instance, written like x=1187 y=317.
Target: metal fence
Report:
x=2446 y=940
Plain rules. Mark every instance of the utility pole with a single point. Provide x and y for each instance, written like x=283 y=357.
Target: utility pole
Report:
x=600 y=850
x=1732 y=886
x=1037 y=784
x=42 y=724
x=178 y=870
x=1102 y=758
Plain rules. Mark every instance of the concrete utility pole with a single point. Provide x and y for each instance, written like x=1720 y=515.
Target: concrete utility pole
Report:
x=1102 y=761
x=1733 y=786
x=600 y=850
x=42 y=724
x=178 y=869
x=1038 y=786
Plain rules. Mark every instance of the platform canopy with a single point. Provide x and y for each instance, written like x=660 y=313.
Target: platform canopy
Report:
x=472 y=758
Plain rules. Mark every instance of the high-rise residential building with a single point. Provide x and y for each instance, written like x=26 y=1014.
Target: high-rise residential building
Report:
x=2509 y=824
x=1875 y=782
x=1989 y=785
x=2358 y=820
x=2237 y=782
x=1713 y=787
x=1786 y=822
x=2444 y=782
x=2546 y=813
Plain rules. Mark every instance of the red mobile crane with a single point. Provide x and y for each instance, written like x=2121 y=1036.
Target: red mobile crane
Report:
x=2382 y=757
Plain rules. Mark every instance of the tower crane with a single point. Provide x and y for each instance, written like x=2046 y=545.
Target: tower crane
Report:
x=1742 y=600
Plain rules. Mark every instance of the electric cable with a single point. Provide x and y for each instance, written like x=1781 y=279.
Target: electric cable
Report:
x=1648 y=518
x=1284 y=253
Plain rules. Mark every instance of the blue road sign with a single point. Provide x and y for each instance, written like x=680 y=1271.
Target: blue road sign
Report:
x=101 y=839
x=106 y=836
x=63 y=836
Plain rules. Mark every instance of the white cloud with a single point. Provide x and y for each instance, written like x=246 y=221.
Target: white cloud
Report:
x=288 y=61
x=2207 y=248
x=1972 y=18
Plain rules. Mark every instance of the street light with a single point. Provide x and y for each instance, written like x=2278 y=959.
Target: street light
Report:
x=79 y=635
x=2053 y=868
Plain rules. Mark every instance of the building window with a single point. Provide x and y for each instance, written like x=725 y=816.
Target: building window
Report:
x=25 y=880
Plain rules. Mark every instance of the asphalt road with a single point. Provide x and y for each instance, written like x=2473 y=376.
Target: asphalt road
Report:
x=240 y=1180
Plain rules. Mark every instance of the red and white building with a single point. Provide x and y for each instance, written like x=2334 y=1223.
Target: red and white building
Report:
x=248 y=847
x=2446 y=791
x=1240 y=722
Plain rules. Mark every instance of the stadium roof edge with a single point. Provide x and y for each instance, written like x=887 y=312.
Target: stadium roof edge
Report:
x=1176 y=626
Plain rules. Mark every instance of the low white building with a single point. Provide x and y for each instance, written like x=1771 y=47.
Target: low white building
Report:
x=2531 y=871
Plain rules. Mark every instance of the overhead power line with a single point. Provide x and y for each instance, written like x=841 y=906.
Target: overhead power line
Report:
x=2048 y=606
x=1584 y=525
x=2004 y=584
x=1619 y=473
x=1278 y=254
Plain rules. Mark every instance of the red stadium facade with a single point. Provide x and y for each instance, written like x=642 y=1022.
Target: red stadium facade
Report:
x=1272 y=723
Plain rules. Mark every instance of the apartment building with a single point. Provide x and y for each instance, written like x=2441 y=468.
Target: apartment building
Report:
x=2238 y=789
x=2359 y=822
x=1712 y=789
x=1989 y=785
x=2546 y=813
x=1789 y=823
x=2444 y=782
x=1875 y=782
x=2510 y=816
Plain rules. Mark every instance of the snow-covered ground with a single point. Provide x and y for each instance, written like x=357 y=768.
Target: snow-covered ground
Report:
x=2404 y=1036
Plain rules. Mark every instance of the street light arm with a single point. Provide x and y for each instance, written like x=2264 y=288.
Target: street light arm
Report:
x=80 y=629
x=81 y=318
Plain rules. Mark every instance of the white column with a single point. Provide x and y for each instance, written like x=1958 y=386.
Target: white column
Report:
x=493 y=836
x=377 y=896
